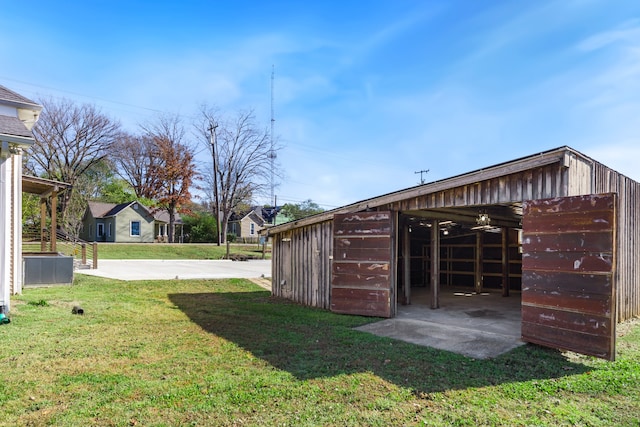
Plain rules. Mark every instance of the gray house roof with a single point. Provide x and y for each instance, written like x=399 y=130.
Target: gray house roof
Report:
x=105 y=210
x=16 y=128
x=163 y=216
x=100 y=209
x=9 y=96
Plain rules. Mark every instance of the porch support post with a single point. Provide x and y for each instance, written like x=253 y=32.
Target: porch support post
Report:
x=406 y=257
x=435 y=264
x=505 y=262
x=478 y=262
x=95 y=256
x=43 y=224
x=54 y=219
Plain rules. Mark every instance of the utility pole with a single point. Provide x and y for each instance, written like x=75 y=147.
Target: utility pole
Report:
x=212 y=131
x=424 y=171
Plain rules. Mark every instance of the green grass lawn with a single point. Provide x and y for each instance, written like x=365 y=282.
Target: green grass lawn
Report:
x=166 y=250
x=226 y=353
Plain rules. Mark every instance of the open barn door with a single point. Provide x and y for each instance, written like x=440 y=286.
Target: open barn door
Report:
x=361 y=280
x=568 y=280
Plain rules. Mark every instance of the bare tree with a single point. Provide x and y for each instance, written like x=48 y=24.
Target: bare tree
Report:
x=135 y=160
x=70 y=140
x=241 y=158
x=173 y=170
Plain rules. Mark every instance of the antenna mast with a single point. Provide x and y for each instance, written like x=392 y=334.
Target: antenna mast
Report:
x=272 y=154
x=422 y=172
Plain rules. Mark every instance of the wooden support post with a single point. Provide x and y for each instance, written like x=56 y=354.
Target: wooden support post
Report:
x=435 y=264
x=54 y=219
x=95 y=255
x=43 y=224
x=449 y=266
x=505 y=263
x=84 y=253
x=406 y=256
x=478 y=262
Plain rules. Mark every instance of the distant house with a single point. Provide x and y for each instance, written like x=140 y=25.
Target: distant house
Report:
x=128 y=222
x=246 y=225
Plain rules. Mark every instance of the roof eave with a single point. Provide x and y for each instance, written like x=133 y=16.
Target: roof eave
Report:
x=21 y=141
x=22 y=103
x=506 y=168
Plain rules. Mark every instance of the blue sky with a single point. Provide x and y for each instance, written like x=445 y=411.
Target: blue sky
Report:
x=366 y=93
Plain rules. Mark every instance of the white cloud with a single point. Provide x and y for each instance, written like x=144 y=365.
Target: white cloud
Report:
x=628 y=32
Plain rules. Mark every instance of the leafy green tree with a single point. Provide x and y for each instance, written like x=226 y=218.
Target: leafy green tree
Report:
x=118 y=190
x=30 y=213
x=200 y=227
x=300 y=210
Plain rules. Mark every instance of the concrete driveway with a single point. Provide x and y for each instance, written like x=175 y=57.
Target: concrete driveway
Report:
x=180 y=269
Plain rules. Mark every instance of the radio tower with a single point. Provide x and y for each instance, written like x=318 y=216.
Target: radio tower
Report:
x=272 y=153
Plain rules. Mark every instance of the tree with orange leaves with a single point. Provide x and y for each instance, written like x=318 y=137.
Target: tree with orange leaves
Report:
x=172 y=171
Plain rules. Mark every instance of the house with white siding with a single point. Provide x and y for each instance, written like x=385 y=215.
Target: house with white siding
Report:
x=17 y=117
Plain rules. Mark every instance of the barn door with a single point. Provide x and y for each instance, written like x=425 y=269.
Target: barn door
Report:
x=361 y=273
x=568 y=266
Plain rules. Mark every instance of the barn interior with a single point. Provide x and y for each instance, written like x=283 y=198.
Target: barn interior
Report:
x=475 y=308
x=479 y=252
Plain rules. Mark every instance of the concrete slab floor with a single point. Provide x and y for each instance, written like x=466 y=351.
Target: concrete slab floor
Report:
x=156 y=269
x=480 y=326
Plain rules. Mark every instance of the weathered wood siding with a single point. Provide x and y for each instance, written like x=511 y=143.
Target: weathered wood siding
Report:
x=628 y=260
x=304 y=274
x=568 y=266
x=541 y=183
x=362 y=281
x=301 y=266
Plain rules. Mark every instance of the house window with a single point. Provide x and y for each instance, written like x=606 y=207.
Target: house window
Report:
x=253 y=229
x=109 y=230
x=100 y=229
x=135 y=228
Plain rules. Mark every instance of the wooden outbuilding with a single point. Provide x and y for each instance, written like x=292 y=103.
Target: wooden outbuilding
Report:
x=557 y=229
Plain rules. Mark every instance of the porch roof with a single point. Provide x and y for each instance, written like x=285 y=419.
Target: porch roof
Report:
x=41 y=186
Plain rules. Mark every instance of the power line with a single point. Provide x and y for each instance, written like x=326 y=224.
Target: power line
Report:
x=83 y=96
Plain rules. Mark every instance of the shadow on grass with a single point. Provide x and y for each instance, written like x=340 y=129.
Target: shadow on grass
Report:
x=312 y=343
